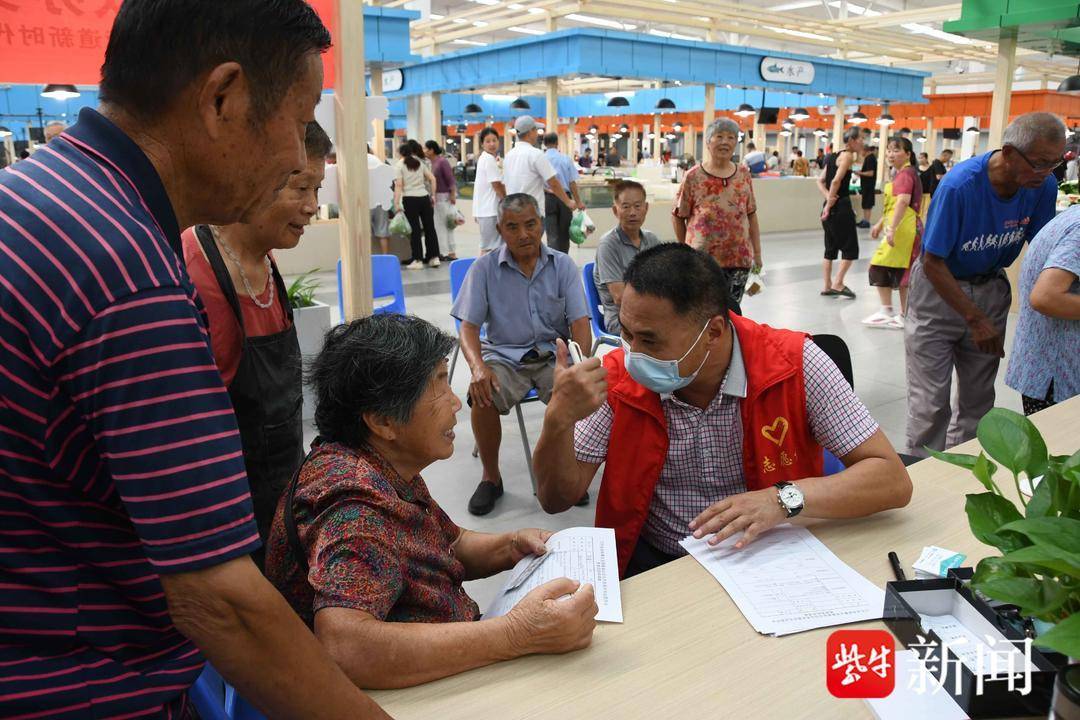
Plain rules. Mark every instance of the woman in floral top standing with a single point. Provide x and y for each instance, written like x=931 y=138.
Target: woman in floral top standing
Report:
x=715 y=211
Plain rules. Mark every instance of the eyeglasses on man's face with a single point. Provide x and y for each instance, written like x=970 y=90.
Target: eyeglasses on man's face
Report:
x=1040 y=167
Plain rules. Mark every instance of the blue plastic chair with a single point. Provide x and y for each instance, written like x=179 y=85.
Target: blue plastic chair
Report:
x=216 y=699
x=385 y=283
x=596 y=311
x=458 y=270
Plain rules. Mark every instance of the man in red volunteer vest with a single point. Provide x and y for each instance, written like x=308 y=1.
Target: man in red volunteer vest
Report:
x=708 y=422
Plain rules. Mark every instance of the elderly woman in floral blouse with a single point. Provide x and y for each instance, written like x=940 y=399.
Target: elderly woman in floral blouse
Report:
x=715 y=210
x=363 y=552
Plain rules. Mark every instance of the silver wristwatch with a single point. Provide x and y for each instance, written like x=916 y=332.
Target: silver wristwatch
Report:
x=790 y=498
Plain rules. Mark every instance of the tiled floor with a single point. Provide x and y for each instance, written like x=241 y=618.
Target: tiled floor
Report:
x=791 y=300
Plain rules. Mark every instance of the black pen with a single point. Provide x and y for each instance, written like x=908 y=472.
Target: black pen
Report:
x=897 y=570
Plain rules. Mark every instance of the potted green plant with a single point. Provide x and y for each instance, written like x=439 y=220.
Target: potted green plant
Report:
x=1039 y=566
x=312 y=320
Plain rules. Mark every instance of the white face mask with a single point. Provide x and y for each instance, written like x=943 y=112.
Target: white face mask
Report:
x=661 y=376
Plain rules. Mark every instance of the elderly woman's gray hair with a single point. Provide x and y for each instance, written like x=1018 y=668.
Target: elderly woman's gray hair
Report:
x=518 y=202
x=380 y=364
x=1030 y=128
x=720 y=125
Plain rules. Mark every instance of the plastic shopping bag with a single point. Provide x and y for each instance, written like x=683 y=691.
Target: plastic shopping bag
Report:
x=454 y=219
x=577 y=229
x=581 y=226
x=755 y=281
x=400 y=225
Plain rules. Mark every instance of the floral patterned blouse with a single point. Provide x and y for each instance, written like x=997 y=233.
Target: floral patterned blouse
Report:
x=374 y=541
x=717 y=213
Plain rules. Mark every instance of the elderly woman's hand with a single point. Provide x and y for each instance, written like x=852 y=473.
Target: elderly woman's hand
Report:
x=556 y=617
x=527 y=541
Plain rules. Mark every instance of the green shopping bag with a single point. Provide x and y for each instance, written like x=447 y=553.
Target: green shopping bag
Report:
x=400 y=225
x=581 y=225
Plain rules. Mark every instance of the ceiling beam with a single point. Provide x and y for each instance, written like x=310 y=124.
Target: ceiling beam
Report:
x=918 y=15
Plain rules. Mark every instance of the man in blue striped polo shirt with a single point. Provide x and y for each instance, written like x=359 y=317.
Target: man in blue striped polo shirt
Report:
x=125 y=519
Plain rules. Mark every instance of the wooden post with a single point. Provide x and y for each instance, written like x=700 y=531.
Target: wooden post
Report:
x=378 y=133
x=838 y=124
x=882 y=166
x=657 y=155
x=710 y=104
x=1003 y=79
x=551 y=106
x=506 y=138
x=433 y=126
x=632 y=146
x=931 y=139
x=351 y=120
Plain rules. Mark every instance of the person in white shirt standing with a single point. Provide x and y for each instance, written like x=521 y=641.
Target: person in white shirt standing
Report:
x=527 y=170
x=488 y=190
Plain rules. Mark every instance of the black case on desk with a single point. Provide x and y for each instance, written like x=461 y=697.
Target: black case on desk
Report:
x=996 y=701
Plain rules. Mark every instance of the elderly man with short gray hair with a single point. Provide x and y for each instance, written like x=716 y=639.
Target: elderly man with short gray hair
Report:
x=527 y=295
x=984 y=210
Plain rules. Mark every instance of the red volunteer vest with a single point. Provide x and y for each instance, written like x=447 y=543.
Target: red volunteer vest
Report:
x=777 y=443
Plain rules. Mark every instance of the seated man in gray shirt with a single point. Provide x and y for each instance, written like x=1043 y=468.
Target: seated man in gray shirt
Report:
x=618 y=247
x=527 y=295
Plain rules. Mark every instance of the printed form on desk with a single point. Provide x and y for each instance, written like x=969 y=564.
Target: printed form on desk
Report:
x=787 y=581
x=584 y=554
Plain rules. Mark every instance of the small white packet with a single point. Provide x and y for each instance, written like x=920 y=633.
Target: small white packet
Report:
x=935 y=562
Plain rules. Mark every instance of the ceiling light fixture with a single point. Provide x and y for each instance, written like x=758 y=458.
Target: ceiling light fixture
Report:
x=1071 y=84
x=60 y=91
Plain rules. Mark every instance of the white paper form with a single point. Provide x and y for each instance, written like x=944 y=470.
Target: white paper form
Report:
x=967 y=646
x=907 y=702
x=787 y=581
x=584 y=554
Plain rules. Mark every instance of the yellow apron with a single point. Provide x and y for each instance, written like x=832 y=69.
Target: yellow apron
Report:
x=898 y=254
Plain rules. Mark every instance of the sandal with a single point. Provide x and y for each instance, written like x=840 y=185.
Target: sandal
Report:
x=846 y=292
x=829 y=293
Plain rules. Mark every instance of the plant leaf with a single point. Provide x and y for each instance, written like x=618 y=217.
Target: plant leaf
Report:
x=1042 y=502
x=987 y=515
x=1040 y=598
x=1063 y=637
x=959 y=459
x=984 y=472
x=1060 y=533
x=1046 y=557
x=1014 y=441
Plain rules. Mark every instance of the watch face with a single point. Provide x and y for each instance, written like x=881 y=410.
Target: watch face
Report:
x=791 y=496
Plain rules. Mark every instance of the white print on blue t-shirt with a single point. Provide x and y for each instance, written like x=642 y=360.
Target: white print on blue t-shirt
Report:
x=975 y=230
x=1001 y=240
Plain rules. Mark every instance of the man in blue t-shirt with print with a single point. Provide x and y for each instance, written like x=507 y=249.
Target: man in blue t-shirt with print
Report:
x=984 y=210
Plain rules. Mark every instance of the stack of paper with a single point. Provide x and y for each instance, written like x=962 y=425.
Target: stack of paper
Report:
x=912 y=699
x=787 y=581
x=584 y=554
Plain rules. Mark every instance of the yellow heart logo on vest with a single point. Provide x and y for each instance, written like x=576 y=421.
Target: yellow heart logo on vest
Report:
x=777 y=431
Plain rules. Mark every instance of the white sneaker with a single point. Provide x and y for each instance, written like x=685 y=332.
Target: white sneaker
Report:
x=895 y=323
x=435 y=262
x=415 y=265
x=878 y=320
